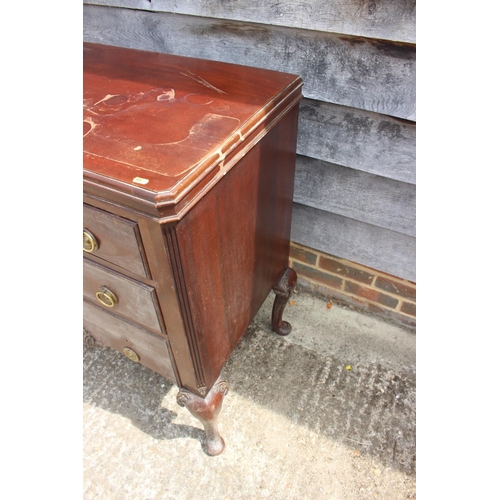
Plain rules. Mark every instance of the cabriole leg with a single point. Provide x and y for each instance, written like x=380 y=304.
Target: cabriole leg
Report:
x=283 y=290
x=206 y=411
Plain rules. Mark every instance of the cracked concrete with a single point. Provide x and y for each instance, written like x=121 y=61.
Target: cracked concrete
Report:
x=325 y=413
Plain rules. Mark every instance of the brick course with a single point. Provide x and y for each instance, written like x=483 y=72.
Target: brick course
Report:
x=303 y=255
x=354 y=285
x=371 y=294
x=409 y=308
x=319 y=276
x=406 y=290
x=337 y=267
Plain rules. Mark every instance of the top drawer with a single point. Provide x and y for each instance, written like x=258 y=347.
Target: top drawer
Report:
x=113 y=239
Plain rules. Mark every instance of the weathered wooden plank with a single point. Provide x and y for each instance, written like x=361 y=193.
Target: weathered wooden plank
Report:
x=358 y=139
x=384 y=19
x=128 y=4
x=366 y=74
x=364 y=197
x=372 y=246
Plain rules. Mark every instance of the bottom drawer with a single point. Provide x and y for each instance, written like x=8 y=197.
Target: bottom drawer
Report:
x=146 y=348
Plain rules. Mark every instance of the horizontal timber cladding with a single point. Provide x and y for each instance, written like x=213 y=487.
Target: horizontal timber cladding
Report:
x=384 y=19
x=358 y=195
x=358 y=139
x=371 y=246
x=369 y=74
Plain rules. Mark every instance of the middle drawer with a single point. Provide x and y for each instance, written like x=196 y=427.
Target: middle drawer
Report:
x=126 y=297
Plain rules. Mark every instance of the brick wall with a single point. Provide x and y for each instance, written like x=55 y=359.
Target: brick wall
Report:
x=354 y=285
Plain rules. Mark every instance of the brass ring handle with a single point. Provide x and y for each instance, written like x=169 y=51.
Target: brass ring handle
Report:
x=131 y=354
x=90 y=243
x=106 y=297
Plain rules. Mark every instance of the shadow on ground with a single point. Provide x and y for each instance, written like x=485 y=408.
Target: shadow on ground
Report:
x=116 y=384
x=366 y=406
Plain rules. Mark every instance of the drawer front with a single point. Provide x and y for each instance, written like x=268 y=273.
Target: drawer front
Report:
x=113 y=239
x=138 y=345
x=121 y=295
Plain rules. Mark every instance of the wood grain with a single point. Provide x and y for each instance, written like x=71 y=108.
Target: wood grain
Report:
x=358 y=139
x=142 y=107
x=384 y=19
x=375 y=247
x=234 y=243
x=214 y=263
x=363 y=73
x=119 y=240
x=136 y=301
x=116 y=333
x=356 y=195
x=348 y=120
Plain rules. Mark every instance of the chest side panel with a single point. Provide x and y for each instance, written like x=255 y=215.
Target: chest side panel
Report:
x=234 y=244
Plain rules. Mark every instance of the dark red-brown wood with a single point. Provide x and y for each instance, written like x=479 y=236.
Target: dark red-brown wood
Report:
x=118 y=334
x=168 y=121
x=188 y=185
x=233 y=245
x=118 y=240
x=206 y=410
x=283 y=290
x=135 y=300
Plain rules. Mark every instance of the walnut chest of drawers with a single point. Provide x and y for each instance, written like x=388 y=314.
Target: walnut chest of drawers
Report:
x=188 y=186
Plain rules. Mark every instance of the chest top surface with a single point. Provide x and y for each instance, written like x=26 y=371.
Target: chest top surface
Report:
x=154 y=124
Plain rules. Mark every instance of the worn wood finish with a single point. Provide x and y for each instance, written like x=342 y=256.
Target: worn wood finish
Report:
x=283 y=289
x=128 y=91
x=384 y=19
x=357 y=195
x=163 y=280
x=366 y=244
x=245 y=226
x=207 y=411
x=214 y=216
x=358 y=62
x=135 y=300
x=374 y=75
x=358 y=139
x=118 y=240
x=118 y=334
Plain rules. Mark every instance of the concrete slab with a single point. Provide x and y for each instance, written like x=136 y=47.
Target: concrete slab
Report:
x=325 y=413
